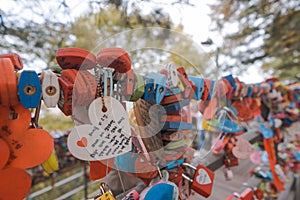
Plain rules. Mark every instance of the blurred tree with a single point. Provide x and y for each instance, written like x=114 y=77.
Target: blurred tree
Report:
x=151 y=39
x=264 y=33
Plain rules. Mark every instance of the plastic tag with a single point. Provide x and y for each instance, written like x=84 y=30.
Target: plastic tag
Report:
x=107 y=137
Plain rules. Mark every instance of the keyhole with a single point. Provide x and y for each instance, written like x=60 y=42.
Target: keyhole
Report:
x=50 y=90
x=161 y=90
x=30 y=90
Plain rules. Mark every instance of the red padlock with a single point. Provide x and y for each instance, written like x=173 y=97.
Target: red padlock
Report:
x=114 y=57
x=202 y=182
x=75 y=58
x=175 y=175
x=66 y=82
x=127 y=83
x=15 y=59
x=247 y=194
x=188 y=89
x=231 y=161
x=171 y=99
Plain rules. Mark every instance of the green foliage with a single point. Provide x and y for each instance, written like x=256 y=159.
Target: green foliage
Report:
x=52 y=121
x=264 y=33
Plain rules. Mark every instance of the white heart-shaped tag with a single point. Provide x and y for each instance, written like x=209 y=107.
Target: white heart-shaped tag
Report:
x=108 y=136
x=203 y=177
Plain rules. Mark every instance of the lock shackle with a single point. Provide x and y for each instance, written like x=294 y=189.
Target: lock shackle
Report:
x=189 y=165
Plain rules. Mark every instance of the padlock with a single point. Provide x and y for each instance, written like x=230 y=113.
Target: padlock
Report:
x=50 y=88
x=15 y=59
x=8 y=83
x=176 y=175
x=174 y=118
x=171 y=99
x=160 y=86
x=199 y=83
x=149 y=90
x=107 y=81
x=205 y=92
x=114 y=57
x=171 y=135
x=29 y=89
x=127 y=83
x=75 y=58
x=247 y=194
x=172 y=91
x=105 y=193
x=188 y=90
x=139 y=87
x=176 y=106
x=228 y=174
x=51 y=164
x=172 y=78
x=66 y=91
x=132 y=195
x=231 y=161
x=202 y=182
x=169 y=126
x=211 y=86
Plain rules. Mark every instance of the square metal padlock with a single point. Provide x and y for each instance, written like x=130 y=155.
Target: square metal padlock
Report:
x=105 y=193
x=202 y=181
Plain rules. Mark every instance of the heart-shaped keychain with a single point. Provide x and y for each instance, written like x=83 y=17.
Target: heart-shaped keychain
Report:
x=108 y=136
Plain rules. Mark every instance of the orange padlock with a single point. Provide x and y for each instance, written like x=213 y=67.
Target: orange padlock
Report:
x=8 y=83
x=114 y=57
x=15 y=59
x=202 y=182
x=75 y=58
x=66 y=82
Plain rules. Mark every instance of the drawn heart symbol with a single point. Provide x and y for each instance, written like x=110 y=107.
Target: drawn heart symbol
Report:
x=82 y=142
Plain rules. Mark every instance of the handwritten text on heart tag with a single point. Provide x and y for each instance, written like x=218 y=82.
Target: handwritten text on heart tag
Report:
x=108 y=137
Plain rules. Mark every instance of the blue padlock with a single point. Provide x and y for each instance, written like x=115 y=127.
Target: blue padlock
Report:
x=199 y=82
x=177 y=126
x=29 y=89
x=211 y=89
x=176 y=106
x=160 y=86
x=172 y=91
x=149 y=89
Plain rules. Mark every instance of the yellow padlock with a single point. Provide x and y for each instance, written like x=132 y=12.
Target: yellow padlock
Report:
x=51 y=164
x=105 y=193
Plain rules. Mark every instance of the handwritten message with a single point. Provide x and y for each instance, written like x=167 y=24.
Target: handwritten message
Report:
x=107 y=137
